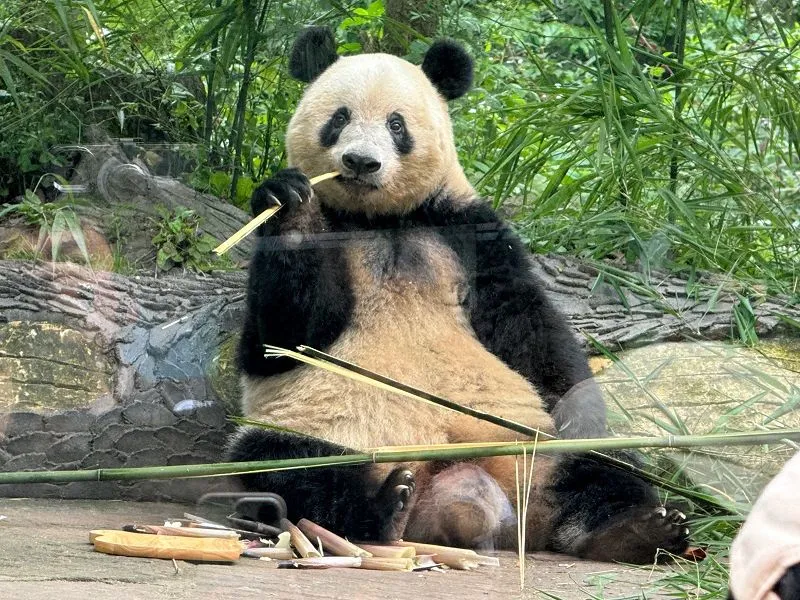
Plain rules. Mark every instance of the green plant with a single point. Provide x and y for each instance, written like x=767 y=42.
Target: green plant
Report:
x=53 y=220
x=180 y=242
x=662 y=133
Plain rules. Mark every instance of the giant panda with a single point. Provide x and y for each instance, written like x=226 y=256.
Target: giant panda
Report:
x=397 y=266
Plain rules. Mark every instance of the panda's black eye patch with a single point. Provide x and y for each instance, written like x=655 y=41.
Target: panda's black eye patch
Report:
x=329 y=134
x=402 y=139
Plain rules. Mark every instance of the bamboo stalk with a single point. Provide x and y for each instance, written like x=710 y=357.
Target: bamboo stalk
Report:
x=376 y=563
x=389 y=551
x=301 y=543
x=262 y=217
x=334 y=544
x=322 y=562
x=387 y=455
x=269 y=552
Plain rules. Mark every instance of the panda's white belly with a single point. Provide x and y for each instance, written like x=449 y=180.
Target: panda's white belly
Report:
x=408 y=325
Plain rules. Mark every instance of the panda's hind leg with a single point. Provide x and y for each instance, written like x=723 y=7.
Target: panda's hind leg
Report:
x=603 y=513
x=344 y=499
x=463 y=506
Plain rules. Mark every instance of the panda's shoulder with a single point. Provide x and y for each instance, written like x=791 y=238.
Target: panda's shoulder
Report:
x=470 y=224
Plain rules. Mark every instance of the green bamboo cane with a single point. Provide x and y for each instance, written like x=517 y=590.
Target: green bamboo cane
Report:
x=455 y=452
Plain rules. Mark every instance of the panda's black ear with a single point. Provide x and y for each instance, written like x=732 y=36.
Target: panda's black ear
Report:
x=449 y=67
x=314 y=51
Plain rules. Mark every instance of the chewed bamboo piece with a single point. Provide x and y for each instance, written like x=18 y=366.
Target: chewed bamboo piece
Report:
x=455 y=558
x=263 y=217
x=199 y=532
x=166 y=546
x=269 y=552
x=389 y=551
x=322 y=562
x=301 y=543
x=338 y=546
x=374 y=563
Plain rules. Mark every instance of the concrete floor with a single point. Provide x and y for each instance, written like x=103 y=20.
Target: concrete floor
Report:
x=45 y=553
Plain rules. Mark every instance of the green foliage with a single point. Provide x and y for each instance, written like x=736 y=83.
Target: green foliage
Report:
x=599 y=154
x=53 y=220
x=664 y=134
x=180 y=243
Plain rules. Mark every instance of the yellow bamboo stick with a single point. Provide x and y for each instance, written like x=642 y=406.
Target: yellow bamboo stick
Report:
x=262 y=217
x=300 y=542
x=336 y=545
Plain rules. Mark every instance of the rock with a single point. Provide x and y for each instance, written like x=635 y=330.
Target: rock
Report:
x=137 y=439
x=18 y=423
x=53 y=366
x=36 y=441
x=148 y=414
x=707 y=387
x=74 y=447
x=69 y=422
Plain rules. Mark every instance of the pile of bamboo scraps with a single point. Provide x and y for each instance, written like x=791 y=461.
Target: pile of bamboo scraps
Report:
x=196 y=539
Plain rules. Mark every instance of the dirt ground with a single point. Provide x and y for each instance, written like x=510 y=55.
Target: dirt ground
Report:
x=45 y=553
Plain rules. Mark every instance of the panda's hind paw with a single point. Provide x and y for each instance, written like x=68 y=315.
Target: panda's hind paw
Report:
x=665 y=527
x=394 y=500
x=640 y=535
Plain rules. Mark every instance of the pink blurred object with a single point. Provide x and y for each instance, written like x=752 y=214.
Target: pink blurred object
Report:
x=768 y=544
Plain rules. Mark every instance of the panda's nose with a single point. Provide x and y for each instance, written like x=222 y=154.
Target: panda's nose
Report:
x=360 y=164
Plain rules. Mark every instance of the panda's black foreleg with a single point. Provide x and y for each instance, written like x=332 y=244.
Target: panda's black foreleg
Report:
x=339 y=498
x=515 y=319
x=604 y=513
x=298 y=289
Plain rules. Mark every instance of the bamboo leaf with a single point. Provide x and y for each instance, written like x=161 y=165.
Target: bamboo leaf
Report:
x=8 y=79
x=61 y=11
x=56 y=234
x=91 y=17
x=74 y=227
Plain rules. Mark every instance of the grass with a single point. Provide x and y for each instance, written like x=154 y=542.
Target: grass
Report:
x=698 y=172
x=714 y=388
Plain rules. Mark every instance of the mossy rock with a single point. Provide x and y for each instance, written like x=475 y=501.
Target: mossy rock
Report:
x=709 y=387
x=49 y=367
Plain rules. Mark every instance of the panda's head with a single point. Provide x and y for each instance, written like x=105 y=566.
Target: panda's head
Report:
x=379 y=121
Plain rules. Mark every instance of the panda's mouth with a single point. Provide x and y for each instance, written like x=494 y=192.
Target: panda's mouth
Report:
x=356 y=183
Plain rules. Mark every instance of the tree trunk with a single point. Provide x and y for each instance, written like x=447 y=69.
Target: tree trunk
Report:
x=404 y=20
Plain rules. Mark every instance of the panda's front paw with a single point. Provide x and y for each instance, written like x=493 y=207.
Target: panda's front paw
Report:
x=288 y=188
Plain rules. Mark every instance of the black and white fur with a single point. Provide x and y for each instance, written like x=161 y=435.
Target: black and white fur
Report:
x=397 y=266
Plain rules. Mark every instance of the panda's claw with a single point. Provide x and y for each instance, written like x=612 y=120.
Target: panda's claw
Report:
x=675 y=516
x=403 y=493
x=394 y=501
